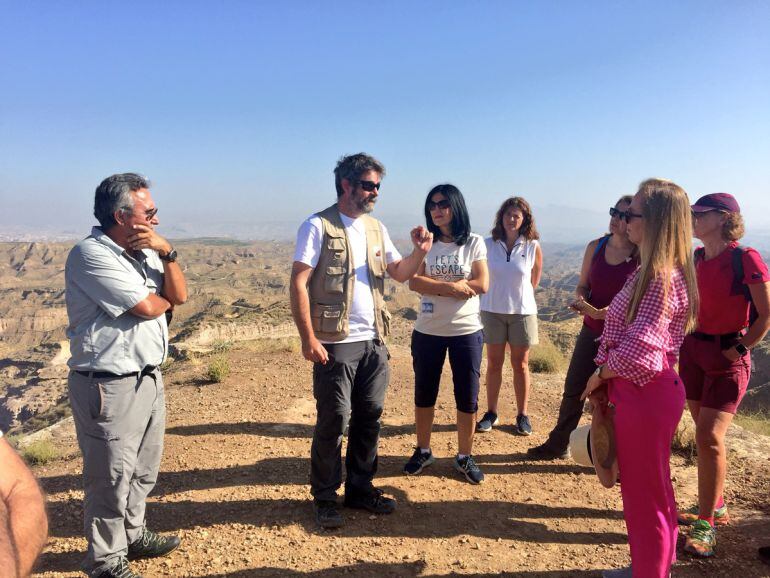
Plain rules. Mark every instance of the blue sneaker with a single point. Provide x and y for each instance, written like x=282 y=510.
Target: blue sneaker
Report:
x=523 y=427
x=487 y=421
x=418 y=462
x=468 y=468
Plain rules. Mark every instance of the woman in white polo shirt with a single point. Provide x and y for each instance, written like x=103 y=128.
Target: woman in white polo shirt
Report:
x=508 y=309
x=450 y=280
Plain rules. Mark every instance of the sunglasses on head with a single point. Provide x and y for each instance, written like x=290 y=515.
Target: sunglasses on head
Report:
x=617 y=213
x=442 y=204
x=369 y=186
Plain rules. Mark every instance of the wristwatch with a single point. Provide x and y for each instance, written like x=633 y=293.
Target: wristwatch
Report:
x=741 y=348
x=598 y=371
x=169 y=257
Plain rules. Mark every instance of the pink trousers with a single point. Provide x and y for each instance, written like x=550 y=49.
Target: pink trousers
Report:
x=645 y=421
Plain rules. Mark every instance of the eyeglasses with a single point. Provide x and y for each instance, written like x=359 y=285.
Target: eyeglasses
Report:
x=369 y=186
x=615 y=213
x=628 y=215
x=699 y=214
x=151 y=214
x=442 y=204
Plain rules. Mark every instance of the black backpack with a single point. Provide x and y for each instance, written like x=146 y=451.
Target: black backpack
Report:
x=738 y=286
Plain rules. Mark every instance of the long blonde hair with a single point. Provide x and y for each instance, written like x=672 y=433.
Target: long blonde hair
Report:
x=667 y=244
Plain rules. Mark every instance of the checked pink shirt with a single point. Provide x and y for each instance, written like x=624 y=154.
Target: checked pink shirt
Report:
x=650 y=344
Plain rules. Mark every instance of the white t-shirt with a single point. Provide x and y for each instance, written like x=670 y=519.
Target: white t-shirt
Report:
x=447 y=316
x=510 y=277
x=308 y=251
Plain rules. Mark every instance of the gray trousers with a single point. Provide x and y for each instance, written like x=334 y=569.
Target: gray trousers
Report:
x=120 y=425
x=351 y=386
x=581 y=366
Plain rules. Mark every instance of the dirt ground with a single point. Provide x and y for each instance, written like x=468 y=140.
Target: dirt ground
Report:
x=234 y=486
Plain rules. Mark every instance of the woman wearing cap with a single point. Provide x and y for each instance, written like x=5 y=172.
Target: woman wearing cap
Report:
x=508 y=309
x=450 y=280
x=607 y=263
x=715 y=363
x=644 y=328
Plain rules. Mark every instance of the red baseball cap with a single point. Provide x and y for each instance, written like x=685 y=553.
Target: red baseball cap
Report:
x=716 y=202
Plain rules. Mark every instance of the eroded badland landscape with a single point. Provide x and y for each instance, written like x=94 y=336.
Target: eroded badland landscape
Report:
x=234 y=477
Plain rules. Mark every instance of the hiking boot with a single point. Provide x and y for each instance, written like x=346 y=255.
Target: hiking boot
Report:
x=119 y=570
x=468 y=468
x=326 y=514
x=618 y=573
x=523 y=427
x=373 y=501
x=702 y=539
x=486 y=422
x=152 y=545
x=418 y=462
x=545 y=452
x=689 y=517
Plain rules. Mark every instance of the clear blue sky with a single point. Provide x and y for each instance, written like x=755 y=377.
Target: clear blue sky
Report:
x=238 y=110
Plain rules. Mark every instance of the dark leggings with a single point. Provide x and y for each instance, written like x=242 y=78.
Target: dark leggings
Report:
x=581 y=366
x=428 y=355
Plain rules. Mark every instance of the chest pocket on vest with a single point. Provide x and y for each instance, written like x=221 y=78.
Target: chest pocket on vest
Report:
x=334 y=275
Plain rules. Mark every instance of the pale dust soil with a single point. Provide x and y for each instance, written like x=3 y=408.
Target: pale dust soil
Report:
x=234 y=486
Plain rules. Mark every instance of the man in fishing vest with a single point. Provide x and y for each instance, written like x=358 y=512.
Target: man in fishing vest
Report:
x=337 y=301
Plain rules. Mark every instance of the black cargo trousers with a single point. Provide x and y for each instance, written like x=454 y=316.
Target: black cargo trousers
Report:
x=349 y=390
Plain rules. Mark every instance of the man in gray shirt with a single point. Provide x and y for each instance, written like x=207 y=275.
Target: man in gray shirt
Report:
x=120 y=282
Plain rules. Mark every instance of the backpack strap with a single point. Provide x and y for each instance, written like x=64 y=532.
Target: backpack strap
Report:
x=700 y=255
x=739 y=287
x=602 y=242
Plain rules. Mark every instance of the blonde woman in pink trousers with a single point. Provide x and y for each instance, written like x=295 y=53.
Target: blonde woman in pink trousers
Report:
x=644 y=328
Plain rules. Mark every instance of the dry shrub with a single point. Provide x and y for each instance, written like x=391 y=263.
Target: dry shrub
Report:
x=39 y=452
x=275 y=345
x=684 y=436
x=545 y=357
x=219 y=369
x=755 y=421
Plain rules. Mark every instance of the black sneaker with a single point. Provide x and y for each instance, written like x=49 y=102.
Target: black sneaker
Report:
x=152 y=545
x=544 y=452
x=467 y=467
x=523 y=427
x=374 y=501
x=418 y=462
x=119 y=570
x=326 y=514
x=486 y=422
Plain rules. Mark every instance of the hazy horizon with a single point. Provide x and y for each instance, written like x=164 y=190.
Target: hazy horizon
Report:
x=238 y=111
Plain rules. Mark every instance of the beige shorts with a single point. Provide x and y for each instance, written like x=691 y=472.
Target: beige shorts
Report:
x=518 y=330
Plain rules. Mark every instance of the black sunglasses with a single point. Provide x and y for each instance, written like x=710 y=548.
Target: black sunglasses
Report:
x=616 y=213
x=369 y=186
x=442 y=204
x=628 y=215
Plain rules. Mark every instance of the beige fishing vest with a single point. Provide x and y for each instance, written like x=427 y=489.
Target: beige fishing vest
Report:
x=331 y=283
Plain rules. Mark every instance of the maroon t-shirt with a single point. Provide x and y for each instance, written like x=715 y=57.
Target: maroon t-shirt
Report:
x=604 y=282
x=721 y=310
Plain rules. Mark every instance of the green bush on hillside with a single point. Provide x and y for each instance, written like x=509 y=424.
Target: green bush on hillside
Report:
x=219 y=369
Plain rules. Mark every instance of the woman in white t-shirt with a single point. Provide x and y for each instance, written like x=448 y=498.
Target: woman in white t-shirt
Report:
x=508 y=310
x=450 y=281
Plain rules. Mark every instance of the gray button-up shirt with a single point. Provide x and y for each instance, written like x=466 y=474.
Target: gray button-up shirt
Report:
x=102 y=282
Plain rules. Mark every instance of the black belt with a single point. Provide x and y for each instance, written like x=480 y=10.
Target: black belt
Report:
x=724 y=338
x=148 y=369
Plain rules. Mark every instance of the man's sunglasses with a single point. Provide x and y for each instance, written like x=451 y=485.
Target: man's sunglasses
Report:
x=369 y=186
x=628 y=215
x=616 y=213
x=442 y=204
